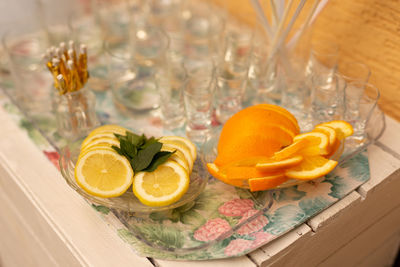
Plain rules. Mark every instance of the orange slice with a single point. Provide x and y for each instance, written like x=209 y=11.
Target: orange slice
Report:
x=334 y=149
x=330 y=132
x=291 y=150
x=343 y=128
x=265 y=183
x=315 y=139
x=215 y=172
x=311 y=168
x=272 y=165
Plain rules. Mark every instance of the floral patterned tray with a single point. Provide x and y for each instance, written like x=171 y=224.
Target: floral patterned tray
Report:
x=223 y=221
x=214 y=224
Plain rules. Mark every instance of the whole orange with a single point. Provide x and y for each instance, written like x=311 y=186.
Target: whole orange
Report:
x=254 y=132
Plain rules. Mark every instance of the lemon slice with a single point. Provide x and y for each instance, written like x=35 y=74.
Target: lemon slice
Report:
x=109 y=128
x=184 y=150
x=103 y=173
x=162 y=187
x=180 y=141
x=178 y=157
x=91 y=138
x=107 y=141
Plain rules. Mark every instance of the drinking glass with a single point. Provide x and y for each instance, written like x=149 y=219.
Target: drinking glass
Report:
x=327 y=99
x=354 y=72
x=171 y=83
x=113 y=18
x=149 y=47
x=28 y=70
x=361 y=99
x=198 y=100
x=75 y=113
x=323 y=60
x=132 y=91
x=203 y=28
x=296 y=94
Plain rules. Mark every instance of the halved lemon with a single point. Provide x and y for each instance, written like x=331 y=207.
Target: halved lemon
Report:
x=311 y=168
x=164 y=186
x=178 y=157
x=109 y=128
x=91 y=138
x=184 y=150
x=180 y=141
x=107 y=141
x=103 y=173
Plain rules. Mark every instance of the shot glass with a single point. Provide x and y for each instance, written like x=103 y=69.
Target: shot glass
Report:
x=296 y=94
x=31 y=81
x=198 y=100
x=354 y=72
x=361 y=101
x=229 y=89
x=149 y=47
x=203 y=28
x=171 y=83
x=323 y=61
x=327 y=99
x=75 y=113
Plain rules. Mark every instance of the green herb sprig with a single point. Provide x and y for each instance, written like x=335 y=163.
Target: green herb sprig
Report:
x=144 y=154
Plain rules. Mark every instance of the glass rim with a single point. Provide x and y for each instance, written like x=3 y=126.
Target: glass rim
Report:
x=352 y=63
x=367 y=86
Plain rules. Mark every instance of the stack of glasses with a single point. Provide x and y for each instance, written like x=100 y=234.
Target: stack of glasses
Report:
x=197 y=65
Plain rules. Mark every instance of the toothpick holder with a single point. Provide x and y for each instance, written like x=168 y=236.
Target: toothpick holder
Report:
x=75 y=113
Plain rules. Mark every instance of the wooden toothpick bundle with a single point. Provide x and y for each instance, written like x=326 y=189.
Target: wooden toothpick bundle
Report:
x=68 y=66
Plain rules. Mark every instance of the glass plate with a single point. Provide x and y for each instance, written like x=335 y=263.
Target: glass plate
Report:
x=128 y=202
x=374 y=129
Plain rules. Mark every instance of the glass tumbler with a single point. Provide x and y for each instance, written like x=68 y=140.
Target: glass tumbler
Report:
x=323 y=60
x=75 y=113
x=171 y=83
x=32 y=82
x=327 y=99
x=132 y=91
x=198 y=100
x=361 y=100
x=229 y=91
x=354 y=72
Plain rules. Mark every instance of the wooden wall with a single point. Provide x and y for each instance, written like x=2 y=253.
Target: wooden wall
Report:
x=366 y=31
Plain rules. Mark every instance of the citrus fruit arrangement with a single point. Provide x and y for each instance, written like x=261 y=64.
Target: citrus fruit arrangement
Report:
x=261 y=147
x=112 y=159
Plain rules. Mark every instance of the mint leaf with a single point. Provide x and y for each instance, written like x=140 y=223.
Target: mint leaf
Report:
x=133 y=138
x=158 y=159
x=145 y=156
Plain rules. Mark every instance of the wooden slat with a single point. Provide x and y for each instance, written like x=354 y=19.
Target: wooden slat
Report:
x=385 y=254
x=233 y=262
x=384 y=168
x=79 y=227
x=280 y=251
x=390 y=140
x=366 y=243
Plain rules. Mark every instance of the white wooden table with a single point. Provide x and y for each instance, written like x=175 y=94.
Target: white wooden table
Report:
x=45 y=223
